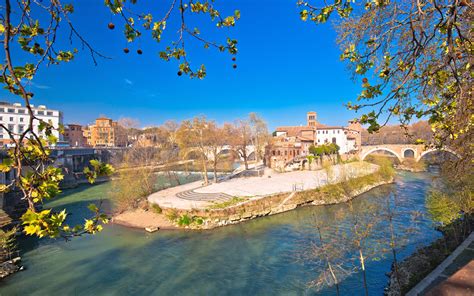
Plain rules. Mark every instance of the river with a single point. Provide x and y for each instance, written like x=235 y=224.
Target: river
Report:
x=258 y=257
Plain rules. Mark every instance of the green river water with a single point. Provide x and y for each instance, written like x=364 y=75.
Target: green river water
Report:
x=259 y=257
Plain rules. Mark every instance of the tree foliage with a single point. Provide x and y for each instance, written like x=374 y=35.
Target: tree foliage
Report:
x=30 y=32
x=414 y=60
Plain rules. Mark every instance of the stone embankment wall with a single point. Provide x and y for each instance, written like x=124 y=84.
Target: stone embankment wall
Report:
x=274 y=204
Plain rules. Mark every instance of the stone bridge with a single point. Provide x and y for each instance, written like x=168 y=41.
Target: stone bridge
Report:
x=402 y=151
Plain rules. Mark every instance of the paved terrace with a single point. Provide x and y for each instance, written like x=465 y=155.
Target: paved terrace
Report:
x=195 y=196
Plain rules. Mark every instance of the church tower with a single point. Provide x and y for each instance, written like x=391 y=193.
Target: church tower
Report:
x=311 y=118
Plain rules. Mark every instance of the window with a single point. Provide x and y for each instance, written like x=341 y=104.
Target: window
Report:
x=21 y=128
x=11 y=127
x=21 y=119
x=1 y=118
x=50 y=113
x=21 y=111
x=11 y=118
x=11 y=110
x=40 y=112
x=334 y=140
x=338 y=131
x=1 y=136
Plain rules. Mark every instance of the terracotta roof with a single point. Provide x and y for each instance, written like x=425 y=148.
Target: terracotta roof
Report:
x=333 y=127
x=311 y=139
x=293 y=131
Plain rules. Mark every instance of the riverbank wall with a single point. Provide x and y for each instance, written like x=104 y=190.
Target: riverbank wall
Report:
x=414 y=268
x=248 y=209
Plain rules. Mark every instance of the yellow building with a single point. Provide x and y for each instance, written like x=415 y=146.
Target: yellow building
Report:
x=105 y=133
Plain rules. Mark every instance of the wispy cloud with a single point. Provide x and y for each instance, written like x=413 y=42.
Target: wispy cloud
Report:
x=40 y=86
x=128 y=81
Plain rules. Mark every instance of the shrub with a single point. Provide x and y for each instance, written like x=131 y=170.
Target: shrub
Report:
x=185 y=220
x=172 y=215
x=157 y=209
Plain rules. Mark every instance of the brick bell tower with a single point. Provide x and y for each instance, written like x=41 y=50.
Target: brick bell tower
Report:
x=311 y=118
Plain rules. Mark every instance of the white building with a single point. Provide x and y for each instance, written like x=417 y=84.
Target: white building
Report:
x=341 y=136
x=16 y=118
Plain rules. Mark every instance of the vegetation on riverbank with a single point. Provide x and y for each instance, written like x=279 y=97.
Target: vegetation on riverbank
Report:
x=412 y=165
x=418 y=265
x=451 y=206
x=225 y=204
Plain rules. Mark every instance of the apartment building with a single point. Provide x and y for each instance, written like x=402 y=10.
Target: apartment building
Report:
x=74 y=135
x=105 y=133
x=16 y=118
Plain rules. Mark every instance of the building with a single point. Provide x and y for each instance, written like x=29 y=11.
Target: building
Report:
x=311 y=118
x=347 y=139
x=16 y=117
x=292 y=143
x=74 y=135
x=105 y=133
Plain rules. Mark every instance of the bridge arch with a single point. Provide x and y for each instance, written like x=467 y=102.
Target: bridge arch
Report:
x=229 y=151
x=408 y=153
x=194 y=154
x=364 y=155
x=452 y=152
x=251 y=156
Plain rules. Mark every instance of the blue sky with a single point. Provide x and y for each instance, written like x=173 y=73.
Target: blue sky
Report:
x=285 y=68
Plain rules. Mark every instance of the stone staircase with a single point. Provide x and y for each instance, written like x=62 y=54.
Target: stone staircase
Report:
x=5 y=219
x=10 y=216
x=197 y=196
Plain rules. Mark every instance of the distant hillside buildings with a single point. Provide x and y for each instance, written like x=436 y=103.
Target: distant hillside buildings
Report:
x=290 y=142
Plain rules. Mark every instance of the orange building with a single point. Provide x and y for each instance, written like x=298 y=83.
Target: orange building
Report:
x=105 y=133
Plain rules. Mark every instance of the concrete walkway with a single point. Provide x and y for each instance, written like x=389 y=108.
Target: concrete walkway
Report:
x=194 y=196
x=454 y=276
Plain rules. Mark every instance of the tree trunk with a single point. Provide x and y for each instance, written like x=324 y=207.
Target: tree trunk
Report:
x=256 y=150
x=204 y=169
x=215 y=170
x=244 y=156
x=362 y=264
x=333 y=275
